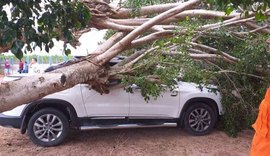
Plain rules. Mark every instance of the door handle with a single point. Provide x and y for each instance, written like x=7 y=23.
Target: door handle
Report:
x=86 y=86
x=174 y=93
x=135 y=87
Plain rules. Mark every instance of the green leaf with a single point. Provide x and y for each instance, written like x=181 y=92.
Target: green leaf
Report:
x=228 y=10
x=67 y=52
x=28 y=47
x=9 y=35
x=47 y=48
x=246 y=13
x=16 y=49
x=19 y=44
x=51 y=44
x=259 y=16
x=19 y=54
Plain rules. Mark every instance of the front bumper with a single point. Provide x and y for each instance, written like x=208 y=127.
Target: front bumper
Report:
x=10 y=121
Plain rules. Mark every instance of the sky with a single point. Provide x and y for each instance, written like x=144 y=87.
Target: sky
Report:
x=89 y=42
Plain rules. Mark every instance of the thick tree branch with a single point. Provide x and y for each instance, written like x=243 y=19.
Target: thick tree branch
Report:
x=109 y=24
x=200 y=13
x=148 y=10
x=109 y=43
x=14 y=93
x=128 y=39
x=152 y=37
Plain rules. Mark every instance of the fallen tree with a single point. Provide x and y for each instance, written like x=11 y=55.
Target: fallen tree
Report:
x=144 y=35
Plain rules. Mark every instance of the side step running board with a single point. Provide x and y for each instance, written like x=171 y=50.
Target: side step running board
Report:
x=127 y=126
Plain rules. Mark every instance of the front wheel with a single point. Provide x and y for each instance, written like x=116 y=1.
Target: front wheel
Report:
x=199 y=119
x=48 y=127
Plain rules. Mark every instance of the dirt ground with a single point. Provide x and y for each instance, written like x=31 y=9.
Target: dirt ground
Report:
x=130 y=142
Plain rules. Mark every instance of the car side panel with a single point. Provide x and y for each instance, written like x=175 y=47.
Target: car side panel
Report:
x=189 y=91
x=115 y=103
x=165 y=106
x=74 y=97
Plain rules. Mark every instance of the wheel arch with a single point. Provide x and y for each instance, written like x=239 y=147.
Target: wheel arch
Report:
x=58 y=104
x=210 y=102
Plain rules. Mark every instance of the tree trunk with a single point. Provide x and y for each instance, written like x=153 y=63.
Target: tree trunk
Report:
x=35 y=87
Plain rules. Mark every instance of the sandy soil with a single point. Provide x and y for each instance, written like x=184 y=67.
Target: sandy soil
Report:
x=130 y=142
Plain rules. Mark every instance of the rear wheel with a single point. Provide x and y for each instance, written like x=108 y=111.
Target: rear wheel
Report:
x=48 y=127
x=199 y=119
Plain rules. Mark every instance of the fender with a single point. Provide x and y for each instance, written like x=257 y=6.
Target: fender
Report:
x=59 y=104
x=205 y=100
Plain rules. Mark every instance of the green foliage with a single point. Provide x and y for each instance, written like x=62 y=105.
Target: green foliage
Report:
x=241 y=84
x=243 y=3
x=241 y=109
x=109 y=34
x=258 y=6
x=157 y=64
x=154 y=74
x=37 y=22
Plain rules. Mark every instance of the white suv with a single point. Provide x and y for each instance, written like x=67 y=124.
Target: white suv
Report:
x=49 y=119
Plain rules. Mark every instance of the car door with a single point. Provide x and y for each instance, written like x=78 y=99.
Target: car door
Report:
x=165 y=106
x=116 y=103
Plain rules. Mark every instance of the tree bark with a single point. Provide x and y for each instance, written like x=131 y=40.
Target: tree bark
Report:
x=34 y=87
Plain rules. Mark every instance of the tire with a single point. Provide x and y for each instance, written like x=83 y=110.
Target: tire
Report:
x=45 y=133
x=199 y=119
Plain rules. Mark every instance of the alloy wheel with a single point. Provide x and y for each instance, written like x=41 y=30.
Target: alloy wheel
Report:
x=48 y=127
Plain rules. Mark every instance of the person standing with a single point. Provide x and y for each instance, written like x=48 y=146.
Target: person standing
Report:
x=25 y=67
x=20 y=66
x=261 y=141
x=34 y=67
x=7 y=67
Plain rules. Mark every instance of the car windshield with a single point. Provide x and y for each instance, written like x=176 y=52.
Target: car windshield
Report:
x=13 y=77
x=112 y=62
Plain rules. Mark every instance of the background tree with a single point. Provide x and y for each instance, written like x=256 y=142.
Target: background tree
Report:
x=220 y=42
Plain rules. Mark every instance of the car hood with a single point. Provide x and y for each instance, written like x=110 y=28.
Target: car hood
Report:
x=193 y=86
x=14 y=77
